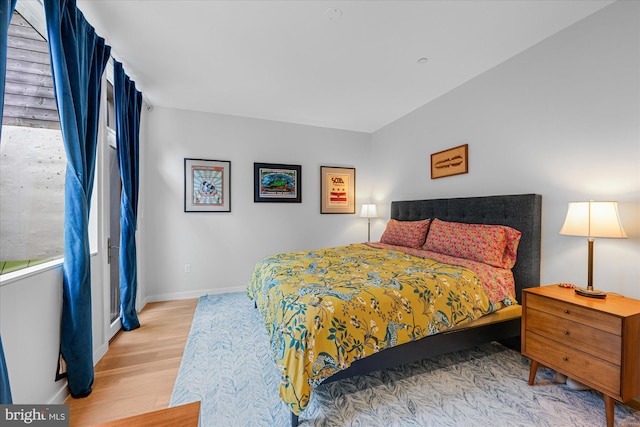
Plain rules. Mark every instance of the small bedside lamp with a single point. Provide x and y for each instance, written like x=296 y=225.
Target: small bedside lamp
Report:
x=369 y=211
x=593 y=219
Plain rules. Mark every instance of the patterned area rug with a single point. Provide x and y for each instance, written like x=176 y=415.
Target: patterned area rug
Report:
x=228 y=367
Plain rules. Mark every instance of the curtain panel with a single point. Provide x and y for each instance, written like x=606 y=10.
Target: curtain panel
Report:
x=128 y=103
x=5 y=17
x=5 y=387
x=78 y=59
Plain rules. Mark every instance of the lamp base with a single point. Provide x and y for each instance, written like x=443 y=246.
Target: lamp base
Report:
x=591 y=293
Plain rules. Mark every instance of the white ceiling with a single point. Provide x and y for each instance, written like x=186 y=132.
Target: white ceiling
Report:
x=290 y=61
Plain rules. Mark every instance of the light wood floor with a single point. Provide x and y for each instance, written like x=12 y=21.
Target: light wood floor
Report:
x=138 y=372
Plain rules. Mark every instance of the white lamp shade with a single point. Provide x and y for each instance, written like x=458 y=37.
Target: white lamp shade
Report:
x=369 y=211
x=593 y=219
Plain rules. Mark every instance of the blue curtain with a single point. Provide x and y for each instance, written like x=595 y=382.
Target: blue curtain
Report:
x=5 y=388
x=5 y=16
x=128 y=103
x=78 y=59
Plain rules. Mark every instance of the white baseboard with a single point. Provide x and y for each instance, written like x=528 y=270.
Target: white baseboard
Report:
x=191 y=294
x=100 y=352
x=61 y=395
x=63 y=392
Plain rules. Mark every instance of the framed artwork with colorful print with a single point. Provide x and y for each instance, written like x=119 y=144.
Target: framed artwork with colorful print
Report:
x=275 y=182
x=337 y=190
x=207 y=185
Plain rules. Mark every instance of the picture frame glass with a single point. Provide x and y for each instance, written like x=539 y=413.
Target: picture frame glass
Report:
x=207 y=185
x=338 y=190
x=277 y=183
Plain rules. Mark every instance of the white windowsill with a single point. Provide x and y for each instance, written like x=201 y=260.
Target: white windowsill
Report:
x=14 y=276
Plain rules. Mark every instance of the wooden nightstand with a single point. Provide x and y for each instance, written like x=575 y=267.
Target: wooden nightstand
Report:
x=594 y=341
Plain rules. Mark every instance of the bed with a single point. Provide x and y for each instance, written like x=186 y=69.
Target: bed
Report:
x=334 y=313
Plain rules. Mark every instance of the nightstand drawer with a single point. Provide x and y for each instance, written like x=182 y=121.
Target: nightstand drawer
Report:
x=574 y=363
x=596 y=342
x=586 y=316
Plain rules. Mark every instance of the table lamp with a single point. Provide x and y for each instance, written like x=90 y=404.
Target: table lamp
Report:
x=369 y=211
x=592 y=219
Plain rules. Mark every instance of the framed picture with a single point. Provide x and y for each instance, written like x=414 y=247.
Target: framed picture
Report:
x=207 y=185
x=450 y=162
x=277 y=183
x=337 y=190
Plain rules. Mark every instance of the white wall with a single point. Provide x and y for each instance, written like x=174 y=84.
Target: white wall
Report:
x=222 y=248
x=31 y=344
x=30 y=313
x=560 y=119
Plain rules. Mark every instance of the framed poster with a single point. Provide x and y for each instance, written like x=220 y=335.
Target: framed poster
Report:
x=277 y=183
x=207 y=185
x=337 y=190
x=450 y=162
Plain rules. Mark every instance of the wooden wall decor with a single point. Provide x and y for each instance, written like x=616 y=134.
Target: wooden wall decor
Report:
x=453 y=161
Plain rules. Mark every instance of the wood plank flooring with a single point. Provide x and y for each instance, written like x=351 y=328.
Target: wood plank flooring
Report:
x=187 y=415
x=139 y=370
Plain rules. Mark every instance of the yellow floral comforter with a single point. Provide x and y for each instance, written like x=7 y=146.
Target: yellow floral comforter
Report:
x=325 y=309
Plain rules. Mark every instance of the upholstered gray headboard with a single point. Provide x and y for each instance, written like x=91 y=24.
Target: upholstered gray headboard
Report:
x=520 y=211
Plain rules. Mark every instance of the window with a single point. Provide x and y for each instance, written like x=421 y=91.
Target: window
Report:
x=32 y=154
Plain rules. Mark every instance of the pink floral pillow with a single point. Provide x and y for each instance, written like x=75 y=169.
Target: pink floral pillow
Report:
x=495 y=245
x=410 y=234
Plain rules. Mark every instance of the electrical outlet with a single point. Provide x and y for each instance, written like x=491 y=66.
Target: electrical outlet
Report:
x=187 y=268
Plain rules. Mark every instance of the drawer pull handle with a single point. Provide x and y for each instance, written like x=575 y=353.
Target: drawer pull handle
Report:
x=566 y=332
x=566 y=312
x=565 y=359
